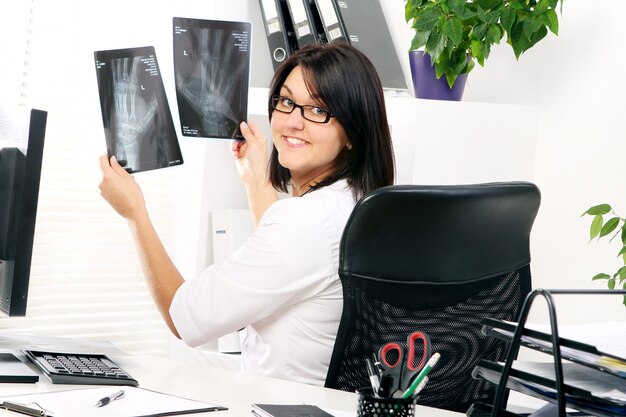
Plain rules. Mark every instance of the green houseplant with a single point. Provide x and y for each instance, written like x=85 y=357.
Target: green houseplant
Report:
x=613 y=226
x=458 y=33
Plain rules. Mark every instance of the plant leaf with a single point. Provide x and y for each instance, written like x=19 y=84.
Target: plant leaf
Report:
x=409 y=10
x=470 y=66
x=551 y=20
x=531 y=25
x=419 y=40
x=442 y=66
x=518 y=40
x=596 y=226
x=477 y=51
x=494 y=35
x=600 y=276
x=599 y=209
x=623 y=251
x=489 y=4
x=507 y=18
x=457 y=62
x=427 y=21
x=541 y=6
x=486 y=49
x=624 y=233
x=457 y=7
x=435 y=45
x=611 y=284
x=537 y=36
x=451 y=78
x=479 y=32
x=609 y=226
x=482 y=15
x=467 y=14
x=492 y=17
x=454 y=30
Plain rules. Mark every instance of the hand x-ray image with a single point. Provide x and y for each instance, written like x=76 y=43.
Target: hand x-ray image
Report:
x=137 y=121
x=212 y=66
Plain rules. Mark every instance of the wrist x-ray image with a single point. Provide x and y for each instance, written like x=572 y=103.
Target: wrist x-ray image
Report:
x=137 y=121
x=212 y=67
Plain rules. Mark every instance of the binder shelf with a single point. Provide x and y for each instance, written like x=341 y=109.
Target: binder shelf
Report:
x=591 y=381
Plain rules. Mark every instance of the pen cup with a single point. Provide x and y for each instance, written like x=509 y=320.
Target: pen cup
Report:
x=370 y=405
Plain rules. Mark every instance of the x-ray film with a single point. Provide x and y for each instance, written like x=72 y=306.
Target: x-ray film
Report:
x=212 y=67
x=138 y=125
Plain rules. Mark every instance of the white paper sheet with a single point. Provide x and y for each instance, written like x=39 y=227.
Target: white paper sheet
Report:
x=136 y=402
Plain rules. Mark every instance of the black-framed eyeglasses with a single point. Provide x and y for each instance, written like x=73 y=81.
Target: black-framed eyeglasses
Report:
x=314 y=114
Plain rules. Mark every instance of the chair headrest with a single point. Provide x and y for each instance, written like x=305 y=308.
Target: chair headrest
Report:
x=440 y=233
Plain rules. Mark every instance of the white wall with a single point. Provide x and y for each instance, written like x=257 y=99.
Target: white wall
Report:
x=576 y=82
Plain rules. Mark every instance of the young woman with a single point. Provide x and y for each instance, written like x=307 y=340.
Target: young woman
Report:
x=330 y=146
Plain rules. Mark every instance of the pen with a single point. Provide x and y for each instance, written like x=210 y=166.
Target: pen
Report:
x=104 y=401
x=431 y=363
x=386 y=381
x=373 y=376
x=377 y=366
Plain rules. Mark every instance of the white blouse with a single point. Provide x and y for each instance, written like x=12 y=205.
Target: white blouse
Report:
x=282 y=284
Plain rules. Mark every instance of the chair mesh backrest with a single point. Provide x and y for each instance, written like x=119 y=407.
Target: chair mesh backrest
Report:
x=455 y=332
x=437 y=259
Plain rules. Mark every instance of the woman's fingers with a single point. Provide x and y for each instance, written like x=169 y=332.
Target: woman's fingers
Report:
x=110 y=165
x=117 y=167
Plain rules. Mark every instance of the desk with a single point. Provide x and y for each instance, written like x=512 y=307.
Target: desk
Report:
x=228 y=388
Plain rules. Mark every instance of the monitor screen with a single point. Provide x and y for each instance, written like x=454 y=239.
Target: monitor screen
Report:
x=20 y=172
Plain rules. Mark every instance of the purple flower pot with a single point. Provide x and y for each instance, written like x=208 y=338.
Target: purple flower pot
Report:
x=426 y=84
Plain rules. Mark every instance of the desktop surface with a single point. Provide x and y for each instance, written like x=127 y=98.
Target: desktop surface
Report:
x=227 y=388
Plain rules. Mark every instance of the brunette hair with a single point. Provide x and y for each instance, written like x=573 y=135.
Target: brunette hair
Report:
x=344 y=81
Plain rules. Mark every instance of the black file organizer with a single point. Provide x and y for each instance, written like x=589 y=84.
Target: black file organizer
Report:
x=553 y=347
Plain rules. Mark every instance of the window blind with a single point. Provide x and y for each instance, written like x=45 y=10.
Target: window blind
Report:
x=85 y=275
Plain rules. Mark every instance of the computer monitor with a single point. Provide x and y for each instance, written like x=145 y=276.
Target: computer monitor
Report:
x=20 y=173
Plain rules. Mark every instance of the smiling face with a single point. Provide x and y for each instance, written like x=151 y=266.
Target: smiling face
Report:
x=307 y=149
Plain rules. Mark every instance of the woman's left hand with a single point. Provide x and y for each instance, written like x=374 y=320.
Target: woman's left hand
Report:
x=251 y=156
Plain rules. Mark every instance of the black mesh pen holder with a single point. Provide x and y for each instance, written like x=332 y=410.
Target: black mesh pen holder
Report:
x=374 y=406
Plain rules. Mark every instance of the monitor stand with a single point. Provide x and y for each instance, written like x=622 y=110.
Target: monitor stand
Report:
x=13 y=370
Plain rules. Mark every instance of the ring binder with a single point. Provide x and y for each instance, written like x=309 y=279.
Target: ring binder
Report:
x=365 y=26
x=330 y=21
x=301 y=24
x=281 y=37
x=315 y=20
x=291 y=24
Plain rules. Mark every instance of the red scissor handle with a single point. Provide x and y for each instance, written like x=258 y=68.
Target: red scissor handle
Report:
x=384 y=354
x=410 y=362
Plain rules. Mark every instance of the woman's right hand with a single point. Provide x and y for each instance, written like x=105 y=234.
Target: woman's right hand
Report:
x=251 y=155
x=120 y=190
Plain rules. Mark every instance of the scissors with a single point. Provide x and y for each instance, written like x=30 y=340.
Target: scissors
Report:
x=403 y=365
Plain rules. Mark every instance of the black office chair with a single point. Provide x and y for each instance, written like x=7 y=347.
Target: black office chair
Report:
x=436 y=259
